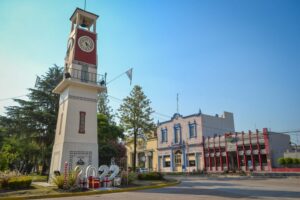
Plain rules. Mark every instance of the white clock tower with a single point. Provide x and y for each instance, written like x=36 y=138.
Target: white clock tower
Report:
x=76 y=129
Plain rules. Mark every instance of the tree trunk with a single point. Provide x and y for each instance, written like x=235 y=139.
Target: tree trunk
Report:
x=134 y=150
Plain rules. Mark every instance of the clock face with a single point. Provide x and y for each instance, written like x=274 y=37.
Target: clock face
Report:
x=70 y=45
x=86 y=44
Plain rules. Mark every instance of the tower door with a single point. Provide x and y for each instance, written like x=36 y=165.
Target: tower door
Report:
x=84 y=73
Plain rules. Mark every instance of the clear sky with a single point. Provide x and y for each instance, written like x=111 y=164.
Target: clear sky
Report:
x=237 y=56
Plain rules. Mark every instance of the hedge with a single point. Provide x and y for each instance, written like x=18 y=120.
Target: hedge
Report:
x=20 y=182
x=151 y=176
x=289 y=162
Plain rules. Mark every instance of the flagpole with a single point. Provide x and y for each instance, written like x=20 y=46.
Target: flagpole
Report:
x=119 y=77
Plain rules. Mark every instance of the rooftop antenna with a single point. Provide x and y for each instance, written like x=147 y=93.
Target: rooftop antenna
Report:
x=84 y=4
x=177 y=99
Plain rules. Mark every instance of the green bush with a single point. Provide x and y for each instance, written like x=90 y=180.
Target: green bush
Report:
x=71 y=181
x=131 y=177
x=151 y=176
x=20 y=182
x=59 y=181
x=288 y=161
x=296 y=161
x=7 y=175
x=281 y=161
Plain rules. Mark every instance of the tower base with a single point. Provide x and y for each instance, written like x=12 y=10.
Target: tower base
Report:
x=82 y=154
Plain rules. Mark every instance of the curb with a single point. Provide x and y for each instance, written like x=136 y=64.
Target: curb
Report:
x=70 y=194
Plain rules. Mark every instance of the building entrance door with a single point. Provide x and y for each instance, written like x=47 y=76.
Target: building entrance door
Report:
x=178 y=161
x=150 y=163
x=232 y=161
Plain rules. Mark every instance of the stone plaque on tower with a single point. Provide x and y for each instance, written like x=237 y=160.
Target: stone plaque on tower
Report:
x=76 y=129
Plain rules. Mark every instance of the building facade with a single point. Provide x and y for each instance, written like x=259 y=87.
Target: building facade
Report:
x=258 y=151
x=146 y=153
x=180 y=140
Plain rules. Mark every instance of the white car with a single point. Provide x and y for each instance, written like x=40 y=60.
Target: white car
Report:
x=142 y=170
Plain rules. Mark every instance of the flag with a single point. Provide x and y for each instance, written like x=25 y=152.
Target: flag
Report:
x=37 y=80
x=129 y=74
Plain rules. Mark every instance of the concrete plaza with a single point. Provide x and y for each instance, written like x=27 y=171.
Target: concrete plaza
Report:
x=197 y=188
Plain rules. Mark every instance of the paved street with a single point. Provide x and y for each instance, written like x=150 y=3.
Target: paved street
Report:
x=195 y=188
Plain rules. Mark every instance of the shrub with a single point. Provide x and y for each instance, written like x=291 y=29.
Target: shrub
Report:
x=242 y=173
x=59 y=181
x=131 y=177
x=20 y=182
x=71 y=181
x=151 y=176
x=6 y=175
x=288 y=161
x=296 y=161
x=281 y=161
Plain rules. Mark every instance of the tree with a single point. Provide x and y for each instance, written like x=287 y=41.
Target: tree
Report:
x=103 y=107
x=135 y=116
x=32 y=123
x=108 y=140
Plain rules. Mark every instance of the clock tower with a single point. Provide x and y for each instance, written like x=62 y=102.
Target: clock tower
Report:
x=76 y=129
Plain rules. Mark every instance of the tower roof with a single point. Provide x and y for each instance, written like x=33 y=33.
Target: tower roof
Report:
x=81 y=11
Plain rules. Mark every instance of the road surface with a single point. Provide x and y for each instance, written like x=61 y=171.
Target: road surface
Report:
x=198 y=188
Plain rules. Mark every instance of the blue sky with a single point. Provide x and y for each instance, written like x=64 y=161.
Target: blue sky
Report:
x=237 y=56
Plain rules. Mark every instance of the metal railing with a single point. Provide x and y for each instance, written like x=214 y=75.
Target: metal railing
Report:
x=85 y=76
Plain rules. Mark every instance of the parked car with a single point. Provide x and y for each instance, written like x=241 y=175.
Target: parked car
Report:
x=142 y=170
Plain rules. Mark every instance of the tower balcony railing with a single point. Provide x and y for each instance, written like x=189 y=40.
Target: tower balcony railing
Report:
x=86 y=77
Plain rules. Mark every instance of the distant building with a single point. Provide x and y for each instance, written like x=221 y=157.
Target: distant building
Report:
x=257 y=151
x=292 y=153
x=146 y=156
x=180 y=140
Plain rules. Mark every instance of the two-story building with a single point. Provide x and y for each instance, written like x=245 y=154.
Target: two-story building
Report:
x=252 y=151
x=146 y=154
x=180 y=140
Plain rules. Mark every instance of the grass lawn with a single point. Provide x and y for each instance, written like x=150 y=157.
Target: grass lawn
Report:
x=35 y=190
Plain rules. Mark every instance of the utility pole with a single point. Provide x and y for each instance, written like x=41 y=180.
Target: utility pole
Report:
x=177 y=99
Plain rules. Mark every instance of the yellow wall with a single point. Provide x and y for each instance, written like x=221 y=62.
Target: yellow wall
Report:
x=150 y=146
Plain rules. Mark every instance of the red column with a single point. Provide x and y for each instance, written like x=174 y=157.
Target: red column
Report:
x=267 y=147
x=209 y=159
x=258 y=147
x=221 y=161
x=251 y=150
x=245 y=158
x=204 y=156
x=215 y=157
x=227 y=163
x=237 y=152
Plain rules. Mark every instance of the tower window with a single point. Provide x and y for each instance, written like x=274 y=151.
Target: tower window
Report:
x=81 y=122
